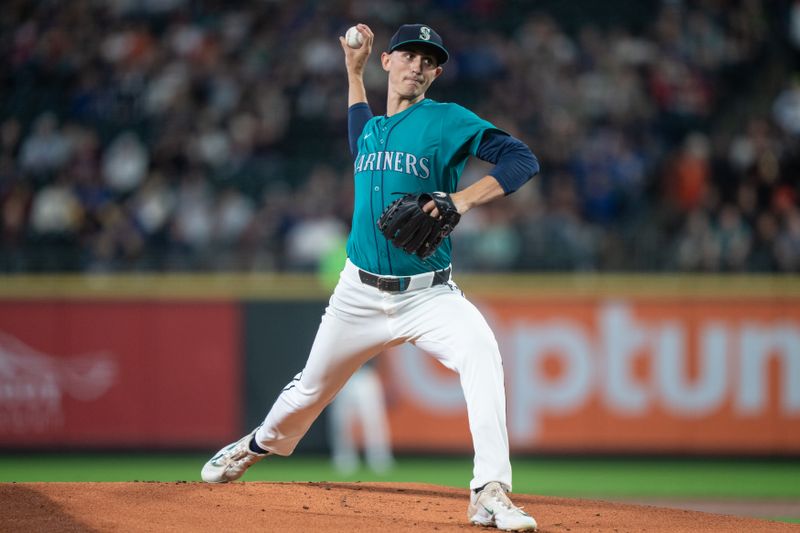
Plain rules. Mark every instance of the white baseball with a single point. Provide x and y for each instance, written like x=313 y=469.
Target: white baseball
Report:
x=354 y=38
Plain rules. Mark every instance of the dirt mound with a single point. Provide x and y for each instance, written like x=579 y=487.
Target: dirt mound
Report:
x=332 y=507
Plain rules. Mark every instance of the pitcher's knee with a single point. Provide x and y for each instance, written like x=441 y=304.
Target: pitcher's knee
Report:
x=483 y=345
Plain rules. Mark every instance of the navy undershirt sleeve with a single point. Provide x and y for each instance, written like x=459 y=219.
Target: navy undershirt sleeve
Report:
x=357 y=117
x=514 y=162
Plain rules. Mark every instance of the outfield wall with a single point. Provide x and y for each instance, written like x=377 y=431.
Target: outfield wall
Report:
x=620 y=364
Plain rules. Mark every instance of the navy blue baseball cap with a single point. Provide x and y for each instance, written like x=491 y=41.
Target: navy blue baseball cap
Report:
x=420 y=34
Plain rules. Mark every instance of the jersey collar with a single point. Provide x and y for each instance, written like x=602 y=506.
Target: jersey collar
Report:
x=406 y=111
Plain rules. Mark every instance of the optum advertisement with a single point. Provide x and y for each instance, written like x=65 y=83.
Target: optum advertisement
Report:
x=616 y=375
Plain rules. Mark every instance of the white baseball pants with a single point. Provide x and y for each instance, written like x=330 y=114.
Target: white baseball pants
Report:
x=360 y=322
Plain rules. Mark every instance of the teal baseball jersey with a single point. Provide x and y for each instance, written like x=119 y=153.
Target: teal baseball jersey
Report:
x=422 y=149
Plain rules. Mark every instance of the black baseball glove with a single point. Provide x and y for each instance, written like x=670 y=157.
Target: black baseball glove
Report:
x=408 y=227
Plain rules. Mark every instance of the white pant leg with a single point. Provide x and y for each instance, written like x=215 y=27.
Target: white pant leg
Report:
x=352 y=330
x=445 y=324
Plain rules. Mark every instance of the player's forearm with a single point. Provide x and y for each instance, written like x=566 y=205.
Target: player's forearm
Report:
x=356 y=92
x=482 y=191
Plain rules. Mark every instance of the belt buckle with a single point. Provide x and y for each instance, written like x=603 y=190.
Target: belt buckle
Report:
x=383 y=284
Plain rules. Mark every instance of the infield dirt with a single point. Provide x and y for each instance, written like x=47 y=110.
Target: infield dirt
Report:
x=311 y=507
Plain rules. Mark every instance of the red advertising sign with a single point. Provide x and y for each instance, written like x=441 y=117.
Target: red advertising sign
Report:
x=684 y=375
x=118 y=374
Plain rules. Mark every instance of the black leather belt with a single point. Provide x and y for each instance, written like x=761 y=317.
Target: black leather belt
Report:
x=400 y=284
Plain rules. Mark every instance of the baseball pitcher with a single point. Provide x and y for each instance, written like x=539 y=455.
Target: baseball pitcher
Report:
x=396 y=285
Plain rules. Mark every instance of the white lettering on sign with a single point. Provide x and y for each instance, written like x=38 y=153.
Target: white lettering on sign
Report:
x=33 y=384
x=531 y=392
x=621 y=341
x=703 y=394
x=759 y=345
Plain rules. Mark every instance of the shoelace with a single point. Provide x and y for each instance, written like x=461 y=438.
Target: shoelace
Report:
x=239 y=456
x=502 y=498
x=247 y=460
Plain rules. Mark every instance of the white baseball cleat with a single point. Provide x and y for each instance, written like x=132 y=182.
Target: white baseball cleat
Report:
x=492 y=507
x=231 y=462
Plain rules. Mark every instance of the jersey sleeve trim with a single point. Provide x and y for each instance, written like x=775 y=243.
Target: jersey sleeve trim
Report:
x=357 y=117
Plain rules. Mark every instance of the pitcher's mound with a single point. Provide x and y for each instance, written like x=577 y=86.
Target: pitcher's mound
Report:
x=330 y=507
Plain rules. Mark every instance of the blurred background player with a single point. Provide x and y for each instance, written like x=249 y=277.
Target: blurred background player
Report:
x=360 y=410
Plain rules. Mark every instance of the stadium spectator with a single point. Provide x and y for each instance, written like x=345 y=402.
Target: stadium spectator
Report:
x=186 y=137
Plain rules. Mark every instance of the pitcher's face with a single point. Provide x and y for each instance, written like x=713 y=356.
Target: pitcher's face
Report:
x=411 y=71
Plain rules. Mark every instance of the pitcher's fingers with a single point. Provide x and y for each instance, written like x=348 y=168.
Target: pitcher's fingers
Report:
x=431 y=209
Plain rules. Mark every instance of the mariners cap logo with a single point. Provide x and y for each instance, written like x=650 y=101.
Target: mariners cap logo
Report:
x=421 y=34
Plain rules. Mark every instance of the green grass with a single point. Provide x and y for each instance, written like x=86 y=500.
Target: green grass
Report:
x=593 y=478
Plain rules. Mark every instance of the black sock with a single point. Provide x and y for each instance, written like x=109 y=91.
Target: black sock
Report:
x=476 y=491
x=255 y=448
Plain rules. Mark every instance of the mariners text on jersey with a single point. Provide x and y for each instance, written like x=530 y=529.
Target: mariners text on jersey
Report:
x=404 y=162
x=423 y=148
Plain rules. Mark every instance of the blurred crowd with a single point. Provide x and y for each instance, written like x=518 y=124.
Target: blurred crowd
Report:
x=179 y=135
